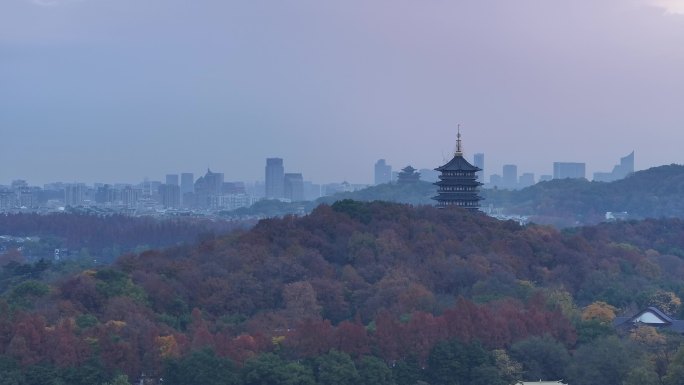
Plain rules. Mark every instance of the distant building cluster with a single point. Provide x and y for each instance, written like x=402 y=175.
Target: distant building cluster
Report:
x=510 y=179
x=620 y=171
x=178 y=194
x=182 y=193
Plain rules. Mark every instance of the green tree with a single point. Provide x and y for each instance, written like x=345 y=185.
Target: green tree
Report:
x=675 y=372
x=541 y=358
x=10 y=373
x=90 y=373
x=407 y=371
x=336 y=368
x=454 y=363
x=373 y=371
x=606 y=361
x=42 y=375
x=24 y=294
x=201 y=367
x=269 y=368
x=121 y=379
x=643 y=374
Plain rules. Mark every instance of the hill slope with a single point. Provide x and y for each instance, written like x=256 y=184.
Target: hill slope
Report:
x=652 y=193
x=402 y=284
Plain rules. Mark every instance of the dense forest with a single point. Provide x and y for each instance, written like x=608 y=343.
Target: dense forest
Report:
x=105 y=237
x=357 y=293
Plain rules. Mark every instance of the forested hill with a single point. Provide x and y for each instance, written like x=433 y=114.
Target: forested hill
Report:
x=652 y=193
x=420 y=193
x=358 y=293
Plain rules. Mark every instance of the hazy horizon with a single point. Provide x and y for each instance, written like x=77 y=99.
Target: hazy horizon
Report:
x=120 y=90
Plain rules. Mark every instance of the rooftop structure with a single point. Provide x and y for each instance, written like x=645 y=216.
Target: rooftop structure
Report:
x=408 y=175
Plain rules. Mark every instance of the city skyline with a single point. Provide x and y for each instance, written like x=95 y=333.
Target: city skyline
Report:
x=118 y=91
x=175 y=175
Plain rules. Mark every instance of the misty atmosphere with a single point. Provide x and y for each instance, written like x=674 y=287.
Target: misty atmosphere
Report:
x=390 y=192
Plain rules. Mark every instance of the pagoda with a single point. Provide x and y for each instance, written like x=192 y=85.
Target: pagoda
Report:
x=458 y=185
x=408 y=175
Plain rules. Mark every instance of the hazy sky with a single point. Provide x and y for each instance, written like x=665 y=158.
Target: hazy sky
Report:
x=119 y=90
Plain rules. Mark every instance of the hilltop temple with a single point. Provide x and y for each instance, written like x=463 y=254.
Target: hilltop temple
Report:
x=458 y=185
x=408 y=175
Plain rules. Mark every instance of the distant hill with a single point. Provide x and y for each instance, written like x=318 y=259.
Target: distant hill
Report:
x=653 y=193
x=415 y=194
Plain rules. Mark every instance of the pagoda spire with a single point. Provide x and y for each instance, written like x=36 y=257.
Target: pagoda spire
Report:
x=459 y=146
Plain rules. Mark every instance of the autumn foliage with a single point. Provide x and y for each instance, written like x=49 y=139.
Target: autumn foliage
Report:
x=390 y=281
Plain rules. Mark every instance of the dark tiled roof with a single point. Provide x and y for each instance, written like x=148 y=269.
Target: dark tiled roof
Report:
x=458 y=163
x=670 y=323
x=658 y=313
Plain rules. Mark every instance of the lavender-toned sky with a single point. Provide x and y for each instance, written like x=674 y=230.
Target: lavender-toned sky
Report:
x=119 y=90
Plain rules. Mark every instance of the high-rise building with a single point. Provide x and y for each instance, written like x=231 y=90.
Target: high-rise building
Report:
x=172 y=179
x=510 y=176
x=312 y=191
x=458 y=185
x=383 y=172
x=479 y=162
x=187 y=188
x=293 y=185
x=74 y=194
x=495 y=181
x=620 y=171
x=428 y=175
x=526 y=180
x=563 y=170
x=208 y=186
x=275 y=174
x=187 y=182
x=106 y=194
x=130 y=196
x=170 y=195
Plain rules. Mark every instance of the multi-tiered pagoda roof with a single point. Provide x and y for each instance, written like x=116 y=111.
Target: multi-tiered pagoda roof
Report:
x=458 y=185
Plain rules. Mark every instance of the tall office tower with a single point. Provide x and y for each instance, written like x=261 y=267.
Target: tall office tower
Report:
x=207 y=187
x=170 y=195
x=293 y=184
x=627 y=164
x=105 y=194
x=187 y=188
x=74 y=194
x=620 y=171
x=562 y=170
x=429 y=175
x=172 y=179
x=510 y=176
x=495 y=181
x=478 y=161
x=275 y=173
x=383 y=172
x=187 y=182
x=526 y=180
x=312 y=191
x=130 y=196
